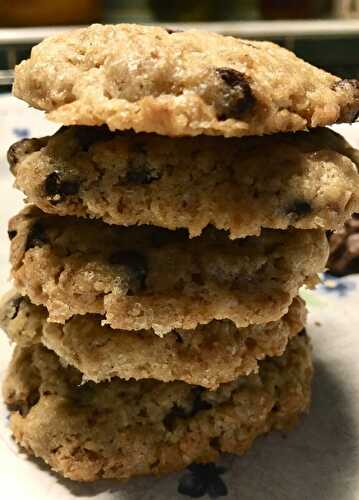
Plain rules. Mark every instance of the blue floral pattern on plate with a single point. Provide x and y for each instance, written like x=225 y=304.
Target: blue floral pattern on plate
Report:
x=203 y=479
x=340 y=287
x=21 y=133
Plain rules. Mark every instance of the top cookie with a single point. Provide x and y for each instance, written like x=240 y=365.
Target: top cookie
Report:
x=182 y=83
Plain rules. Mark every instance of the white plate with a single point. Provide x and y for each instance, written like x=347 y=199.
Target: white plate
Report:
x=317 y=461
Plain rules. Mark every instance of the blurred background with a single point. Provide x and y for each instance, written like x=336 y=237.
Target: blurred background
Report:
x=324 y=32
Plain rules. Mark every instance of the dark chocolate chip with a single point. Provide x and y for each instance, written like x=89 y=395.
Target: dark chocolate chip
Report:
x=83 y=395
x=198 y=403
x=87 y=136
x=177 y=412
x=23 y=407
x=249 y=44
x=55 y=186
x=22 y=148
x=354 y=116
x=16 y=407
x=11 y=234
x=302 y=333
x=12 y=155
x=14 y=306
x=139 y=170
x=237 y=96
x=179 y=339
x=33 y=398
x=170 y=418
x=36 y=237
x=300 y=208
x=52 y=183
x=170 y=31
x=215 y=443
x=136 y=265
x=141 y=176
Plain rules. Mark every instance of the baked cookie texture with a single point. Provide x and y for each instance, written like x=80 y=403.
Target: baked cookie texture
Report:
x=208 y=356
x=184 y=83
x=303 y=180
x=120 y=429
x=145 y=277
x=344 y=248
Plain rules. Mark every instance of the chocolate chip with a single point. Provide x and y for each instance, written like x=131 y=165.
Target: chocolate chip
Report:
x=275 y=408
x=84 y=394
x=302 y=333
x=12 y=157
x=237 y=96
x=300 y=208
x=11 y=234
x=23 y=148
x=55 y=186
x=215 y=443
x=179 y=339
x=170 y=31
x=141 y=176
x=52 y=183
x=15 y=407
x=33 y=398
x=170 y=418
x=353 y=117
x=36 y=237
x=198 y=403
x=249 y=44
x=139 y=170
x=14 y=306
x=23 y=407
x=87 y=136
x=177 y=412
x=136 y=265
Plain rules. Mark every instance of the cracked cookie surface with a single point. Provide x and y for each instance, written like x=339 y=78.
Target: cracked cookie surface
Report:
x=120 y=429
x=209 y=355
x=144 y=277
x=184 y=83
x=303 y=180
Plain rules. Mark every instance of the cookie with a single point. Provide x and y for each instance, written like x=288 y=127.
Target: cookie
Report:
x=209 y=355
x=184 y=83
x=344 y=249
x=304 y=180
x=143 y=277
x=120 y=429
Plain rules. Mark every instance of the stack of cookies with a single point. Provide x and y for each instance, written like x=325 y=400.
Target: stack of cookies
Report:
x=172 y=221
